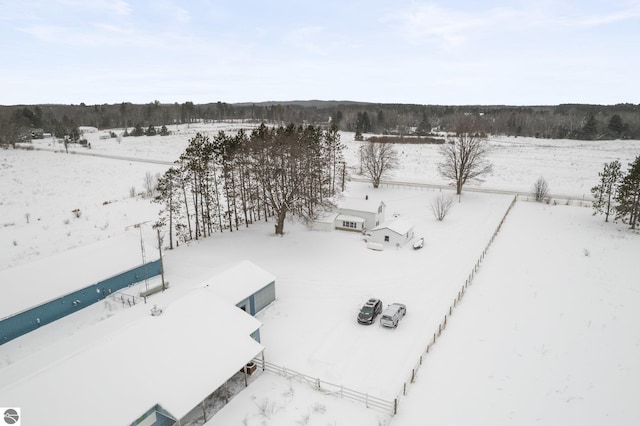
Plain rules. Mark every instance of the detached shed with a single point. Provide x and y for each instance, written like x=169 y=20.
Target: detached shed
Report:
x=395 y=232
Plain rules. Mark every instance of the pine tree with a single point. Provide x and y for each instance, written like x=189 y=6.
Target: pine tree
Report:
x=605 y=192
x=615 y=124
x=590 y=128
x=628 y=197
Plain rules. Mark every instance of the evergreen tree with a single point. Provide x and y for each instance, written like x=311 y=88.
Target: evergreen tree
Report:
x=164 y=131
x=138 y=130
x=628 y=196
x=168 y=197
x=151 y=131
x=605 y=192
x=590 y=128
x=615 y=125
x=424 y=127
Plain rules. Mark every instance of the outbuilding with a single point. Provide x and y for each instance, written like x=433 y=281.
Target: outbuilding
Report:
x=396 y=232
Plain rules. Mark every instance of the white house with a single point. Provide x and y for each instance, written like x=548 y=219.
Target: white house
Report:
x=359 y=214
x=396 y=232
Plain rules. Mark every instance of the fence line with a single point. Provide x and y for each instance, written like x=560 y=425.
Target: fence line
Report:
x=555 y=199
x=327 y=388
x=124 y=298
x=443 y=324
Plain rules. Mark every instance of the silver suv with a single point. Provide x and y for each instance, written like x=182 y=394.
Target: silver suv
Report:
x=393 y=314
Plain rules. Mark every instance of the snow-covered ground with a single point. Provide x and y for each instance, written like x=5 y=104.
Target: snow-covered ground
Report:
x=547 y=333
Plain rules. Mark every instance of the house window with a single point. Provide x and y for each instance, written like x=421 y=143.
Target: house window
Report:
x=386 y=238
x=380 y=208
x=347 y=224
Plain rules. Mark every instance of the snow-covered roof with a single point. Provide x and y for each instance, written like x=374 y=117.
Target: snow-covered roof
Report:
x=359 y=204
x=326 y=217
x=22 y=287
x=175 y=359
x=400 y=226
x=350 y=218
x=240 y=281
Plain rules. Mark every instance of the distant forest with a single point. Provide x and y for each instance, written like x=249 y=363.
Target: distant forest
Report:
x=571 y=121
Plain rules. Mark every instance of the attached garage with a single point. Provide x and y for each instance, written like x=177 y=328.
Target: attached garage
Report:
x=246 y=285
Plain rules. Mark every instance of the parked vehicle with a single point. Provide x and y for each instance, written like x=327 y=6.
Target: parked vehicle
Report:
x=393 y=314
x=418 y=244
x=370 y=311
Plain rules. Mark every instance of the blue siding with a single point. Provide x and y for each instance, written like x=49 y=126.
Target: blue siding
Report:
x=163 y=418
x=33 y=318
x=256 y=335
x=264 y=297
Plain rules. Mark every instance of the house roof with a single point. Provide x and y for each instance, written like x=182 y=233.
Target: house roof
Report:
x=175 y=359
x=22 y=287
x=350 y=218
x=400 y=226
x=240 y=281
x=326 y=217
x=359 y=204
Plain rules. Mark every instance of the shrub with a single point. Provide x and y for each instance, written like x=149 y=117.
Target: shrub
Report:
x=440 y=206
x=540 y=190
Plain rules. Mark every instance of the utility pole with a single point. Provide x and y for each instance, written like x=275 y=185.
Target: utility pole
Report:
x=144 y=258
x=161 y=262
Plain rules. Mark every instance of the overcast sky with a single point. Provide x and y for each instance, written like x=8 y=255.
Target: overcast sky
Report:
x=425 y=52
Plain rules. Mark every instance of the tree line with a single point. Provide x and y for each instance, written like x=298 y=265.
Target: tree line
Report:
x=573 y=121
x=224 y=182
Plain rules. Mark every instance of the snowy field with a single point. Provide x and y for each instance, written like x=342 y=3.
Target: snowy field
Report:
x=547 y=334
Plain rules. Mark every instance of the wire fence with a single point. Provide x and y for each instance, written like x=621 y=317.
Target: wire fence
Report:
x=127 y=300
x=387 y=406
x=553 y=199
x=443 y=324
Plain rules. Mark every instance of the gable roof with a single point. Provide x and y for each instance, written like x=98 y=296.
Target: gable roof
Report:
x=240 y=281
x=360 y=204
x=175 y=359
x=400 y=226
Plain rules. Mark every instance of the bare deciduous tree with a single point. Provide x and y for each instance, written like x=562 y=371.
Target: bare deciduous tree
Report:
x=540 y=189
x=150 y=184
x=377 y=160
x=440 y=206
x=465 y=158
